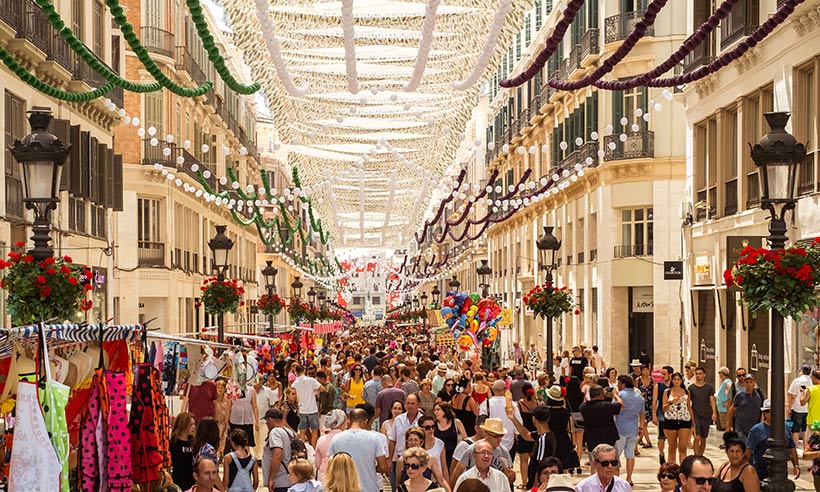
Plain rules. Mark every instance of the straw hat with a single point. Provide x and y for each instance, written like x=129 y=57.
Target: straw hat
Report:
x=493 y=426
x=560 y=483
x=442 y=367
x=635 y=363
x=554 y=393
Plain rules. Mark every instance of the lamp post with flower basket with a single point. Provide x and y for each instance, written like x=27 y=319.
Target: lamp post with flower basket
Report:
x=548 y=245
x=779 y=280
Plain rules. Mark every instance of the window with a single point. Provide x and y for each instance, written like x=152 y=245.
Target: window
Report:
x=99 y=29
x=741 y=21
x=805 y=124
x=539 y=7
x=527 y=30
x=148 y=220
x=15 y=123
x=754 y=128
x=637 y=233
x=155 y=112
x=705 y=156
x=731 y=134
x=77 y=10
x=98 y=225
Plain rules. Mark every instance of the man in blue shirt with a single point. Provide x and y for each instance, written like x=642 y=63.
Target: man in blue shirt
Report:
x=628 y=421
x=758 y=443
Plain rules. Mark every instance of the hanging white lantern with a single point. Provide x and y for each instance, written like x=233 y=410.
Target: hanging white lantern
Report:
x=593 y=135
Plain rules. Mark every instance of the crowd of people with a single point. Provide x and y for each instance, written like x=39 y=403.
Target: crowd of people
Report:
x=364 y=413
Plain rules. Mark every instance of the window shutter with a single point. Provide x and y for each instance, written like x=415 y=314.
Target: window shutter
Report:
x=74 y=161
x=117 y=182
x=62 y=130
x=85 y=164
x=99 y=176
x=108 y=198
x=617 y=111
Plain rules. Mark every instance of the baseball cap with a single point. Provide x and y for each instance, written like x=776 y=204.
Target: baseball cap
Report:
x=767 y=406
x=274 y=413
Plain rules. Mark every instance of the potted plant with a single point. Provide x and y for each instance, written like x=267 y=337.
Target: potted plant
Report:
x=221 y=296
x=54 y=288
x=547 y=301
x=270 y=304
x=782 y=279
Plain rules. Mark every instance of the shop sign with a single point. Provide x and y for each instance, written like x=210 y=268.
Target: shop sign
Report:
x=705 y=352
x=702 y=270
x=673 y=270
x=506 y=317
x=643 y=300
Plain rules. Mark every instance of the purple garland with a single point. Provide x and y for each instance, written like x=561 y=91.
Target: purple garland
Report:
x=445 y=201
x=550 y=46
x=470 y=204
x=629 y=43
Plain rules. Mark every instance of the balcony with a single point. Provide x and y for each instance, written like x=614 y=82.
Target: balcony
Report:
x=184 y=60
x=752 y=190
x=150 y=254
x=14 y=197
x=590 y=46
x=730 y=197
x=579 y=156
x=742 y=21
x=627 y=250
x=702 y=55
x=618 y=27
x=154 y=154
x=547 y=92
x=805 y=183
x=11 y=12
x=157 y=41
x=30 y=23
x=574 y=58
x=638 y=145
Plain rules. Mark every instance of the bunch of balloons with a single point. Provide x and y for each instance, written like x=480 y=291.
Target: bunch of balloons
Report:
x=472 y=320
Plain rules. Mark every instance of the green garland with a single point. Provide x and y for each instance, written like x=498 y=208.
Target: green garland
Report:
x=142 y=54
x=213 y=52
x=82 y=50
x=47 y=88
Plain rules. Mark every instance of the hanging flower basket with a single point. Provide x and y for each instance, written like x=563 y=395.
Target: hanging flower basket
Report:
x=300 y=311
x=547 y=301
x=270 y=305
x=53 y=288
x=783 y=279
x=220 y=297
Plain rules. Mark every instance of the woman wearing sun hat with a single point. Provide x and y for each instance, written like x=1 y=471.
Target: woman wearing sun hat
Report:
x=561 y=425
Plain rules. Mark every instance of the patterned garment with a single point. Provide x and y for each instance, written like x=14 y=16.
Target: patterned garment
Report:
x=105 y=449
x=647 y=391
x=161 y=418
x=54 y=399
x=34 y=463
x=146 y=459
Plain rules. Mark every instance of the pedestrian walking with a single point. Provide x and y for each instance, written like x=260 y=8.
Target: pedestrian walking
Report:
x=704 y=408
x=677 y=410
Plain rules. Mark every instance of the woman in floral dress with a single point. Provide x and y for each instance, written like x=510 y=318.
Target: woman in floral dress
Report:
x=646 y=386
x=222 y=409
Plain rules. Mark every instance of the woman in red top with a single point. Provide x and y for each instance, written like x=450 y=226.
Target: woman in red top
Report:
x=480 y=390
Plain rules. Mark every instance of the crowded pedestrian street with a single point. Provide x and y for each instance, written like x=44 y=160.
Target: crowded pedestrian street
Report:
x=410 y=246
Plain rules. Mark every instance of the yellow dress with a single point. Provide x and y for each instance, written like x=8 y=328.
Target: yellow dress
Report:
x=355 y=393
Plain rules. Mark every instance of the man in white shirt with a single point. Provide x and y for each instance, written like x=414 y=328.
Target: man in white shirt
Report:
x=606 y=462
x=496 y=408
x=489 y=476
x=797 y=413
x=401 y=424
x=439 y=378
x=365 y=447
x=306 y=388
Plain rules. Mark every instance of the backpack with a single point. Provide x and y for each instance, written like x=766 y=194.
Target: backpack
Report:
x=298 y=448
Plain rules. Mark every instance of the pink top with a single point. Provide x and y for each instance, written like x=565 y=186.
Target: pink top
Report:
x=321 y=449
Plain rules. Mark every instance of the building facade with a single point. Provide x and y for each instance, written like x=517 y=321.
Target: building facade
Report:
x=91 y=187
x=724 y=114
x=619 y=218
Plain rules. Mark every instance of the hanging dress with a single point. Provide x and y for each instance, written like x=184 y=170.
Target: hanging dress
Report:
x=54 y=399
x=146 y=459
x=34 y=466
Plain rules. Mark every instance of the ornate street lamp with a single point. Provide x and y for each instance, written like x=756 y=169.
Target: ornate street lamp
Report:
x=416 y=303
x=423 y=298
x=483 y=272
x=436 y=293
x=41 y=156
x=454 y=284
x=220 y=246
x=296 y=286
x=322 y=297
x=269 y=272
x=547 y=246
x=778 y=157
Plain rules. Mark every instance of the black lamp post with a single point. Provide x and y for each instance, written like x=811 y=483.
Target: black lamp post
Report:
x=311 y=294
x=454 y=284
x=436 y=293
x=424 y=306
x=296 y=286
x=220 y=246
x=483 y=272
x=269 y=272
x=548 y=245
x=322 y=297
x=778 y=156
x=41 y=156
x=423 y=298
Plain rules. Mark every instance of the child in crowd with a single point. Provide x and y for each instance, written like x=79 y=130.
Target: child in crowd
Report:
x=240 y=471
x=301 y=473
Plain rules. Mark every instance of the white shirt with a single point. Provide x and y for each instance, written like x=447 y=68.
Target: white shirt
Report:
x=265 y=399
x=435 y=451
x=495 y=480
x=794 y=389
x=400 y=425
x=496 y=408
x=306 y=388
x=593 y=484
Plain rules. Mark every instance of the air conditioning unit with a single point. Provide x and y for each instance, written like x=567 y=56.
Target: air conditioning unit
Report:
x=685 y=210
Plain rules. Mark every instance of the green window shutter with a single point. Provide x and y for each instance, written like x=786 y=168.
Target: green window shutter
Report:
x=617 y=110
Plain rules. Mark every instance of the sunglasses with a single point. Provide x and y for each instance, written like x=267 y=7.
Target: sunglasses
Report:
x=703 y=480
x=670 y=476
x=412 y=466
x=448 y=385
x=741 y=375
x=612 y=463
x=428 y=427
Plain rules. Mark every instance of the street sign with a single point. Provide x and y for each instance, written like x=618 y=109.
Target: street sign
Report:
x=673 y=270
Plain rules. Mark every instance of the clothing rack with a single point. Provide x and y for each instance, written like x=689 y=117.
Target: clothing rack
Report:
x=66 y=334
x=189 y=341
